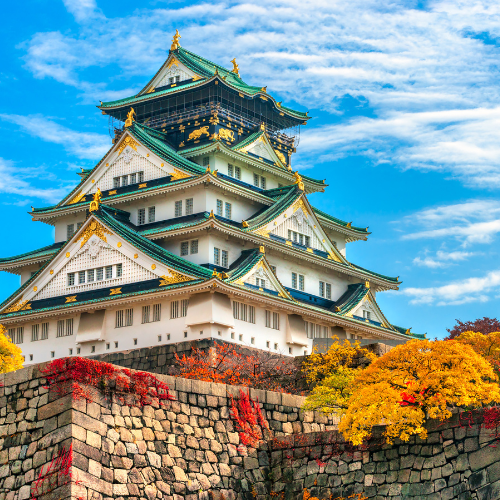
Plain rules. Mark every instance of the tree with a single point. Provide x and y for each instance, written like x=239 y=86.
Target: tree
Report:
x=484 y=325
x=334 y=373
x=415 y=381
x=487 y=345
x=10 y=355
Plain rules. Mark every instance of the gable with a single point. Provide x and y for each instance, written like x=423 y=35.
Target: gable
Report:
x=262 y=148
x=92 y=248
x=370 y=305
x=129 y=161
x=298 y=224
x=259 y=149
x=173 y=71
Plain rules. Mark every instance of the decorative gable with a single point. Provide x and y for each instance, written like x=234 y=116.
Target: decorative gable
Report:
x=262 y=148
x=370 y=306
x=172 y=72
x=94 y=258
x=128 y=162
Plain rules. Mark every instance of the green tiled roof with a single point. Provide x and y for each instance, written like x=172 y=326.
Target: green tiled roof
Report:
x=40 y=252
x=248 y=140
x=402 y=330
x=339 y=222
x=351 y=298
x=206 y=69
x=245 y=262
x=383 y=276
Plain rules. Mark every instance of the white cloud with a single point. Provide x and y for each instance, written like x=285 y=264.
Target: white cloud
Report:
x=456 y=292
x=16 y=180
x=82 y=10
x=442 y=259
x=88 y=145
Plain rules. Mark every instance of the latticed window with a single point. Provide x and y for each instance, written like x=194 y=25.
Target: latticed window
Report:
x=156 y=312
x=189 y=206
x=237 y=173
x=124 y=180
x=119 y=270
x=109 y=272
x=71 y=279
x=119 y=319
x=11 y=333
x=151 y=214
x=243 y=312
x=99 y=274
x=141 y=216
x=19 y=335
x=34 y=332
x=174 y=309
x=263 y=182
x=228 y=211
x=256 y=180
x=301 y=282
x=260 y=282
x=184 y=307
x=45 y=331
x=116 y=182
x=194 y=246
x=60 y=328
x=219 y=208
x=81 y=277
x=217 y=256
x=129 y=317
x=70 y=231
x=299 y=238
x=230 y=170
x=206 y=161
x=145 y=314
x=90 y=275
x=272 y=320
x=133 y=178
x=185 y=248
x=69 y=326
x=178 y=209
x=224 y=259
x=315 y=331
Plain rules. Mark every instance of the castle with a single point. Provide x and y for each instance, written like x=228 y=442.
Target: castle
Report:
x=194 y=225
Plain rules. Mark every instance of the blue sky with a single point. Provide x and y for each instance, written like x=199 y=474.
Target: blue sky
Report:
x=404 y=96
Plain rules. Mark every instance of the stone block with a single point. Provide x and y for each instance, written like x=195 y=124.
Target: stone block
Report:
x=483 y=457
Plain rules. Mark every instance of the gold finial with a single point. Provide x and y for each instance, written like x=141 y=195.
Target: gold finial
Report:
x=367 y=284
x=212 y=216
x=262 y=249
x=298 y=181
x=349 y=224
x=175 y=41
x=214 y=173
x=207 y=171
x=262 y=126
x=130 y=117
x=236 y=68
x=408 y=331
x=94 y=204
x=244 y=223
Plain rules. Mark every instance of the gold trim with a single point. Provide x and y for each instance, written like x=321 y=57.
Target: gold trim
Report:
x=153 y=266
x=143 y=185
x=130 y=118
x=300 y=204
x=174 y=277
x=179 y=174
x=115 y=291
x=77 y=198
x=112 y=192
x=20 y=305
x=128 y=141
x=263 y=232
x=227 y=135
x=71 y=298
x=196 y=134
x=93 y=228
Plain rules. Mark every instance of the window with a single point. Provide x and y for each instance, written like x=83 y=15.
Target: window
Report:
x=145 y=314
x=240 y=337
x=233 y=171
x=206 y=161
x=159 y=338
x=69 y=326
x=92 y=348
x=259 y=181
x=243 y=312
x=140 y=176
x=366 y=315
x=289 y=350
x=273 y=268
x=60 y=328
x=135 y=341
x=168 y=336
x=237 y=173
x=64 y=327
x=201 y=332
x=189 y=247
x=19 y=335
x=99 y=273
x=52 y=354
x=71 y=279
x=141 y=216
x=91 y=275
x=129 y=317
x=217 y=256
x=315 y=331
x=116 y=182
x=119 y=323
x=221 y=257
x=299 y=238
x=178 y=208
x=252 y=340
x=263 y=182
x=108 y=345
x=256 y=180
x=185 y=335
x=124 y=180
x=70 y=231
x=268 y=344
x=11 y=334
x=119 y=270
x=189 y=206
x=228 y=210
x=151 y=214
x=232 y=335
x=260 y=282
x=78 y=350
x=178 y=310
x=81 y=277
x=301 y=282
x=275 y=346
x=34 y=332
x=325 y=290
x=45 y=331
x=133 y=178
x=272 y=320
x=109 y=272
x=116 y=345
x=156 y=312
x=224 y=259
x=193 y=248
x=219 y=208
x=31 y=357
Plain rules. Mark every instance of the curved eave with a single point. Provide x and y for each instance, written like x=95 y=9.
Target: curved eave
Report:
x=53 y=212
x=311 y=187
x=352 y=234
x=213 y=223
x=130 y=101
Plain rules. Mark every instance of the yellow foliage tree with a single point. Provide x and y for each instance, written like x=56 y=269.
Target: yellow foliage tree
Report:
x=334 y=373
x=487 y=345
x=10 y=355
x=415 y=381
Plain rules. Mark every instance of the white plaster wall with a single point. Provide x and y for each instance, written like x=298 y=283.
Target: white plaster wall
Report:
x=61 y=226
x=147 y=334
x=174 y=245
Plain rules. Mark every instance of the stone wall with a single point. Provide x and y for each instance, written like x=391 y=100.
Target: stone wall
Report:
x=191 y=450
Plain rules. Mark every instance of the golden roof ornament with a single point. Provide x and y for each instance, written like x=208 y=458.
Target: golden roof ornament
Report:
x=298 y=181
x=130 y=118
x=94 y=204
x=236 y=68
x=175 y=41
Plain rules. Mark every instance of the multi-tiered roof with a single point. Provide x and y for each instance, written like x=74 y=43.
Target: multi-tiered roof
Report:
x=175 y=122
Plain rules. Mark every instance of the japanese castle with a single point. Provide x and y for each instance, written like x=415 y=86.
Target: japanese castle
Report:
x=195 y=224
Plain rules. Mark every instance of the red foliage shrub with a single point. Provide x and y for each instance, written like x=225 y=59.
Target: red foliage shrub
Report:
x=484 y=325
x=85 y=377
x=228 y=364
x=249 y=419
x=56 y=474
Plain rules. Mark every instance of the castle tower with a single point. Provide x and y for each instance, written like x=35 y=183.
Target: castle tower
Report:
x=194 y=225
